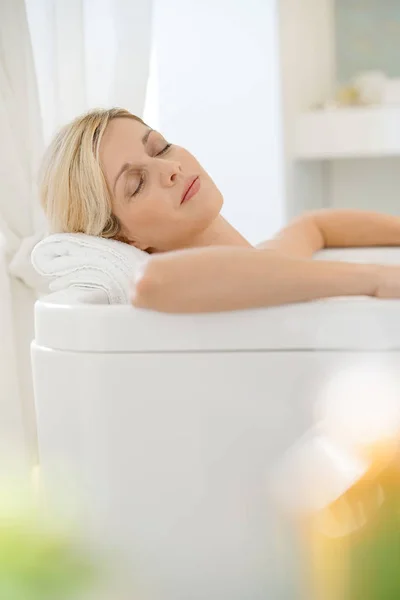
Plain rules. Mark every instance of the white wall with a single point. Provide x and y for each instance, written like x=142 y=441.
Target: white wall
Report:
x=218 y=89
x=367 y=184
x=307 y=63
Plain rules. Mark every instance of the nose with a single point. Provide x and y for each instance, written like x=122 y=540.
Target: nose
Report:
x=170 y=172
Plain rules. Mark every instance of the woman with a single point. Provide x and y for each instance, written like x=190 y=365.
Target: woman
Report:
x=108 y=174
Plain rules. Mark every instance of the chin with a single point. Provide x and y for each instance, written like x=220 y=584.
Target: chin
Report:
x=213 y=192
x=211 y=208
x=218 y=203
x=221 y=201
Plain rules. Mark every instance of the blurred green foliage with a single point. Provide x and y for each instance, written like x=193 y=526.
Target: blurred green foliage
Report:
x=41 y=558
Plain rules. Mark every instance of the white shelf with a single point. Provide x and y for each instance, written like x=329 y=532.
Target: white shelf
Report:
x=347 y=133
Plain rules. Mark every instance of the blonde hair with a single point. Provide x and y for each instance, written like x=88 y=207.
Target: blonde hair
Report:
x=73 y=189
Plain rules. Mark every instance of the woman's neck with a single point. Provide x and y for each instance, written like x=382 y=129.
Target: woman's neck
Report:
x=220 y=233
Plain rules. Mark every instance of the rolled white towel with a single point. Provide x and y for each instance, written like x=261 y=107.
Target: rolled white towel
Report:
x=80 y=260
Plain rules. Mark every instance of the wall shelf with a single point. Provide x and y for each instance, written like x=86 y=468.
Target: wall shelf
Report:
x=348 y=133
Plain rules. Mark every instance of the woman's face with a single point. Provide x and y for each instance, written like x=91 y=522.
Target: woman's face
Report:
x=147 y=178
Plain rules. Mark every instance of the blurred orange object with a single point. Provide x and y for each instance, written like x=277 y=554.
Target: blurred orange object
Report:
x=354 y=543
x=341 y=481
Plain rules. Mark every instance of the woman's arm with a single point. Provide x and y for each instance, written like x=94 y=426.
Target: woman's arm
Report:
x=336 y=229
x=222 y=278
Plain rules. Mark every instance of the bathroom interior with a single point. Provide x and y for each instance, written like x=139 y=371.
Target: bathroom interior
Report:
x=247 y=454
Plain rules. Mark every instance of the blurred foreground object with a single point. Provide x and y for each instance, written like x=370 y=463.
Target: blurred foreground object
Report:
x=40 y=558
x=341 y=483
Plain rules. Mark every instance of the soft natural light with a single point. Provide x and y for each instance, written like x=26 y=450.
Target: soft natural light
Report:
x=151 y=114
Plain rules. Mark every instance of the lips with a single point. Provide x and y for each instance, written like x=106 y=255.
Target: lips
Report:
x=187 y=191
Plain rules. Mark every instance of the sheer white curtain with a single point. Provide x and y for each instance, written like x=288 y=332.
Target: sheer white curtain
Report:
x=89 y=53
x=58 y=58
x=20 y=148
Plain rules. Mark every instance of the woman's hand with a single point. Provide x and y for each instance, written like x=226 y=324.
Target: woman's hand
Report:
x=388 y=282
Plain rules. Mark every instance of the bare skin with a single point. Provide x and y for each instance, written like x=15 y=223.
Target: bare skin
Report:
x=199 y=263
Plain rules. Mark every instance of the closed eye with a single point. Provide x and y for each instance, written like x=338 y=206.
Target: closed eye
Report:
x=139 y=187
x=164 y=150
x=141 y=182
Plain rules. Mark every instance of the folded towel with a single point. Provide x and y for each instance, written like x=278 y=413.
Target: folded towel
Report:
x=79 y=260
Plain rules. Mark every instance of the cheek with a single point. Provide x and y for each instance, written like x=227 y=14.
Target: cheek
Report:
x=190 y=164
x=127 y=217
x=144 y=217
x=188 y=161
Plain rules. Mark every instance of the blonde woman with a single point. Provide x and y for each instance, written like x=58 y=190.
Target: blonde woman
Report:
x=108 y=174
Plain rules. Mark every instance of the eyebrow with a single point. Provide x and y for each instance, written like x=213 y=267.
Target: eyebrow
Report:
x=127 y=166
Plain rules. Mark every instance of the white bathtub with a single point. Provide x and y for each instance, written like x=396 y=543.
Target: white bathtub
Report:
x=171 y=424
